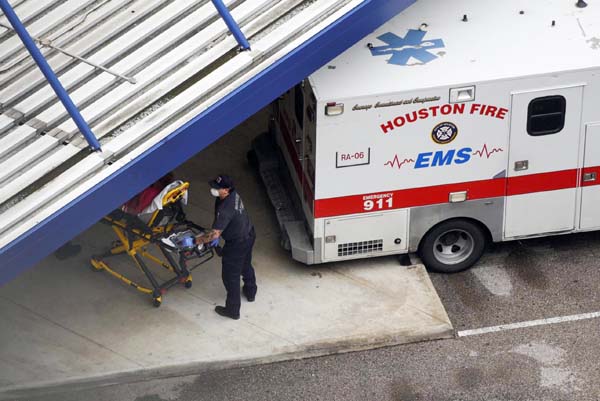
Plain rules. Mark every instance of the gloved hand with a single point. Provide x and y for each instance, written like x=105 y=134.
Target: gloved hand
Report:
x=214 y=243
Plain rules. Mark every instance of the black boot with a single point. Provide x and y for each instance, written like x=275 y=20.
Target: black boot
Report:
x=249 y=294
x=221 y=310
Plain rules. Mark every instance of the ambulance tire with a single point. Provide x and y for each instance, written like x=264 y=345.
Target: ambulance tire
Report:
x=452 y=246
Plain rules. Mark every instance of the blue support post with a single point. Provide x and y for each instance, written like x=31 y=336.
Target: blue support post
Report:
x=49 y=74
x=231 y=24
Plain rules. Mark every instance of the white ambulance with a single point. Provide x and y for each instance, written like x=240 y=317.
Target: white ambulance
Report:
x=456 y=123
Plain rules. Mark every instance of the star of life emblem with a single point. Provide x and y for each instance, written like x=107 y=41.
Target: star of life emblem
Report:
x=412 y=49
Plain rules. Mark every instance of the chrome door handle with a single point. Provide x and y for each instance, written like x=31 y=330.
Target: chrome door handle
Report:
x=587 y=177
x=521 y=165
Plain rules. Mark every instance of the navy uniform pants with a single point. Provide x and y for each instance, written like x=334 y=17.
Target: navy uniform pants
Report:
x=237 y=261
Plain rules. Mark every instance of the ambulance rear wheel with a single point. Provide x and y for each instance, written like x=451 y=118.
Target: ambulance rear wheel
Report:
x=452 y=246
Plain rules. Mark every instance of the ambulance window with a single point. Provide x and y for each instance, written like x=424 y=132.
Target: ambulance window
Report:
x=546 y=115
x=299 y=105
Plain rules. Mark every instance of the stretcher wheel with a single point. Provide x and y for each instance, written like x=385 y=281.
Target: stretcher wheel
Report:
x=188 y=284
x=156 y=298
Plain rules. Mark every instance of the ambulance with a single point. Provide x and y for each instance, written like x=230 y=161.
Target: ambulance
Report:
x=456 y=124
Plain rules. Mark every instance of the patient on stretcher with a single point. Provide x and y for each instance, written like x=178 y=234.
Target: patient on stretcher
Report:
x=144 y=204
x=139 y=203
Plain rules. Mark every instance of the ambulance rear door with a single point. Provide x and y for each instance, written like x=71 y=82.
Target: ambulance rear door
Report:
x=543 y=159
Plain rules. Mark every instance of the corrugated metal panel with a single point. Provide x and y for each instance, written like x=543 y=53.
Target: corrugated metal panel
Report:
x=184 y=61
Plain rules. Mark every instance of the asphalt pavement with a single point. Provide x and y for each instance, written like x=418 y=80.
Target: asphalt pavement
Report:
x=525 y=280
x=515 y=282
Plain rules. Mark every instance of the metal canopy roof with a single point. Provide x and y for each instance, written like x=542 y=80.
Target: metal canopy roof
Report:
x=172 y=81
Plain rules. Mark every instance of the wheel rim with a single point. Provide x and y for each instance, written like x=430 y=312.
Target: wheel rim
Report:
x=453 y=246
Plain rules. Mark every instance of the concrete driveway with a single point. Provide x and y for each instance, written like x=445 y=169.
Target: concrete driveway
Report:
x=65 y=325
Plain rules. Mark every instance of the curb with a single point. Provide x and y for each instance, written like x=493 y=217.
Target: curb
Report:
x=162 y=372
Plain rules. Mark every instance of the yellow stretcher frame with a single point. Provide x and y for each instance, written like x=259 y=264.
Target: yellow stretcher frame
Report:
x=135 y=237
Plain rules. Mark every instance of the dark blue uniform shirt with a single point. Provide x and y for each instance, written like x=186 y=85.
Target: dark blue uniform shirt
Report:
x=231 y=218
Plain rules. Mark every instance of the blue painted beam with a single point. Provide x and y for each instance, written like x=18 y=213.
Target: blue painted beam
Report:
x=194 y=136
x=49 y=74
x=231 y=24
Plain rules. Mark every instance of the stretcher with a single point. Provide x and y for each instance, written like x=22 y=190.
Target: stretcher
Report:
x=164 y=227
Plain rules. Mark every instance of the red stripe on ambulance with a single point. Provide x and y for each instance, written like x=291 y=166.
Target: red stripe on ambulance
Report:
x=439 y=194
x=406 y=198
x=542 y=182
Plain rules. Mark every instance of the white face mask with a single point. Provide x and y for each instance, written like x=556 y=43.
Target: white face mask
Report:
x=214 y=192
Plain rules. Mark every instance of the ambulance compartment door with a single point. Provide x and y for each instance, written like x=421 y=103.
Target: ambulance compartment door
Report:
x=590 y=179
x=542 y=163
x=308 y=142
x=361 y=236
x=296 y=113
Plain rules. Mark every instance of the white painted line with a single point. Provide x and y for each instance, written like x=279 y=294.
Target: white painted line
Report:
x=531 y=323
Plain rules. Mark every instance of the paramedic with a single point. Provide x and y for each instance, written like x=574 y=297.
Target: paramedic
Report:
x=233 y=224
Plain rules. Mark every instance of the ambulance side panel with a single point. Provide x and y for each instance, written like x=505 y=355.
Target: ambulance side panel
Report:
x=404 y=154
x=419 y=155
x=548 y=191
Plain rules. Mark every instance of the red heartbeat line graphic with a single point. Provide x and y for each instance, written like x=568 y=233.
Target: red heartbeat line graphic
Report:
x=397 y=163
x=486 y=152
